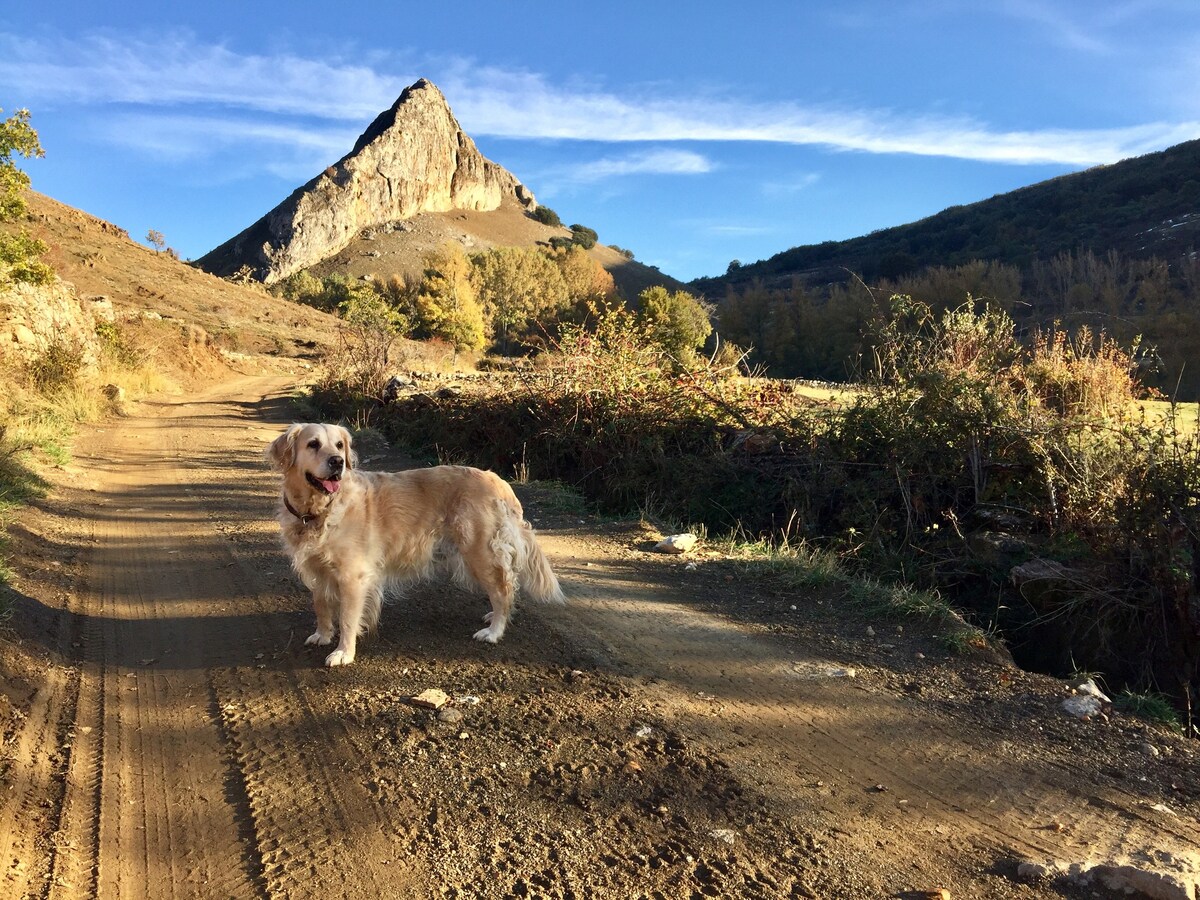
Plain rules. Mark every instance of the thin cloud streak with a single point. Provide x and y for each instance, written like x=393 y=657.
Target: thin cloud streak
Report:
x=182 y=136
x=176 y=72
x=793 y=185
x=652 y=162
x=1061 y=28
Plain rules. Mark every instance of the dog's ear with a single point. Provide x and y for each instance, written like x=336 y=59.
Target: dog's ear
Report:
x=351 y=454
x=282 y=451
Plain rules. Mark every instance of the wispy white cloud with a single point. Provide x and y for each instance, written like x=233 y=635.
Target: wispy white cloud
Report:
x=1059 y=26
x=649 y=162
x=793 y=185
x=175 y=73
x=182 y=136
x=1101 y=29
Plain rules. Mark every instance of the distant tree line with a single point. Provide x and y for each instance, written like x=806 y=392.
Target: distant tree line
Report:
x=804 y=331
x=1141 y=207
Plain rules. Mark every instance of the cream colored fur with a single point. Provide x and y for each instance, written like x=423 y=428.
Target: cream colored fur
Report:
x=380 y=527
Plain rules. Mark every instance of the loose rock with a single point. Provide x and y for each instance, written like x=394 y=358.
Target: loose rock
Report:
x=430 y=699
x=676 y=543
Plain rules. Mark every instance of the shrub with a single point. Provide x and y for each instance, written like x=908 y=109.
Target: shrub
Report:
x=20 y=261
x=546 y=216
x=957 y=428
x=58 y=366
x=115 y=345
x=359 y=367
x=583 y=236
x=677 y=322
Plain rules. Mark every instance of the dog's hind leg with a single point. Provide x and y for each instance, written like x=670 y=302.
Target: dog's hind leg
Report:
x=496 y=578
x=492 y=556
x=497 y=619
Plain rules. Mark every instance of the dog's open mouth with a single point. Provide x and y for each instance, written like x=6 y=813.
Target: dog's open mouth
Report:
x=324 y=485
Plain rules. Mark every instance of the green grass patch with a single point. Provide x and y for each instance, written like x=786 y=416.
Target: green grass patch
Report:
x=1150 y=705
x=799 y=566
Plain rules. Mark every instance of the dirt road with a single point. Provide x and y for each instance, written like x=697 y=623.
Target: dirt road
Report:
x=672 y=732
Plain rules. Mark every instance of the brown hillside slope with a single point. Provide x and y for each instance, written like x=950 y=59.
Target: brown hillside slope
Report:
x=100 y=259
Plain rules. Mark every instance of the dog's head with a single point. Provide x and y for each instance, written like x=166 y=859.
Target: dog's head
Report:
x=313 y=456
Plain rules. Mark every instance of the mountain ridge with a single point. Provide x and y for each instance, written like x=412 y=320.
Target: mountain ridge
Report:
x=1143 y=206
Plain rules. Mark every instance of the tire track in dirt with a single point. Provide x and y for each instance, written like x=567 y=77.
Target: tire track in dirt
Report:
x=852 y=760
x=145 y=813
x=35 y=784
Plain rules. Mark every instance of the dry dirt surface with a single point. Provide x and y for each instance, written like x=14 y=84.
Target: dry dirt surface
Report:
x=675 y=731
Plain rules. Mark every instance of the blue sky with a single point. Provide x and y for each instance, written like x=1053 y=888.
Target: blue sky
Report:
x=691 y=133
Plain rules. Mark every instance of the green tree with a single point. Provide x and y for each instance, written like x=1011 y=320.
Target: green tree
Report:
x=369 y=329
x=19 y=252
x=677 y=322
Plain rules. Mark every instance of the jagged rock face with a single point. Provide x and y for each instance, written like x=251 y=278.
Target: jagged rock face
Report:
x=35 y=317
x=413 y=158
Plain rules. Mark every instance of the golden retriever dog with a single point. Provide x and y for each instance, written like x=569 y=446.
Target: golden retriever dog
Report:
x=352 y=534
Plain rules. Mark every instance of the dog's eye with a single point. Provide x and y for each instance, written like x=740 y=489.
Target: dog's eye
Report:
x=339 y=445
x=314 y=444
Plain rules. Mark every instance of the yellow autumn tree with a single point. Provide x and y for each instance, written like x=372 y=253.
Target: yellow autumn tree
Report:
x=521 y=289
x=447 y=306
x=586 y=280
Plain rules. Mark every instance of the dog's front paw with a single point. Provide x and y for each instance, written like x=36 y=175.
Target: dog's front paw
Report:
x=489 y=635
x=319 y=638
x=339 y=658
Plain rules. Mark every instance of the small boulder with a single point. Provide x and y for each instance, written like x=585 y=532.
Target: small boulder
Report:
x=676 y=543
x=432 y=698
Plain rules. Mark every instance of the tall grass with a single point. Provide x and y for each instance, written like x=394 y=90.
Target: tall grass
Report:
x=46 y=399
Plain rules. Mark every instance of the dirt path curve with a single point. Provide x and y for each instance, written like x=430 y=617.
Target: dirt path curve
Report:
x=635 y=743
x=195 y=770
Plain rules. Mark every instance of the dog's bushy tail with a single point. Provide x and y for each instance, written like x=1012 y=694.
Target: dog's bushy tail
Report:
x=539 y=581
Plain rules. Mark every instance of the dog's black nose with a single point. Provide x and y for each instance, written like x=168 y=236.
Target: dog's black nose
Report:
x=336 y=463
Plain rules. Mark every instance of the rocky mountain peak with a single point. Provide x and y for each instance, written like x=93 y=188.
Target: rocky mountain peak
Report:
x=413 y=158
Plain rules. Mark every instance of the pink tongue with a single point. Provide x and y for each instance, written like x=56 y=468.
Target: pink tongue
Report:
x=331 y=486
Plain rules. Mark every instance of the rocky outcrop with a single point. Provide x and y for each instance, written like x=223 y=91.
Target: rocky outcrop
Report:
x=413 y=158
x=33 y=318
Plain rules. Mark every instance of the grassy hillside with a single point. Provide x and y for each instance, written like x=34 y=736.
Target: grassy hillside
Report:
x=1141 y=207
x=400 y=250
x=100 y=259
